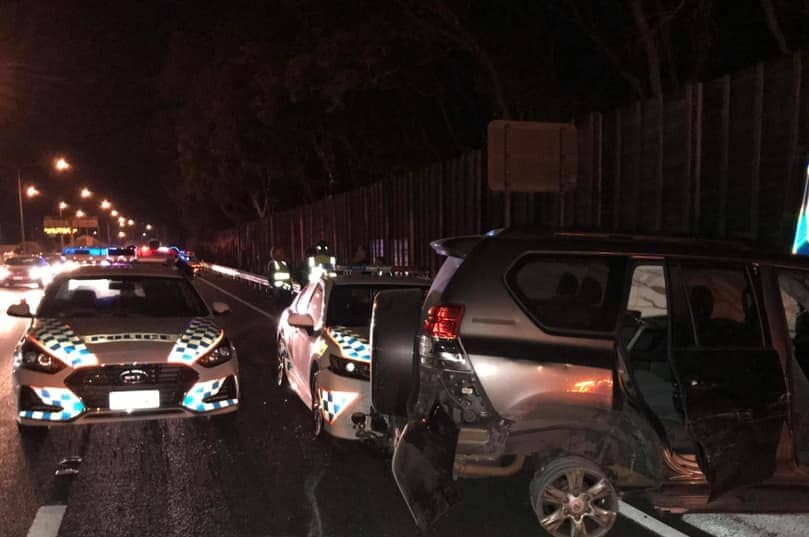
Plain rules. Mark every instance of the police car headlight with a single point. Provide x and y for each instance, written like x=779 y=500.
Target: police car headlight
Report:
x=349 y=368
x=31 y=357
x=219 y=355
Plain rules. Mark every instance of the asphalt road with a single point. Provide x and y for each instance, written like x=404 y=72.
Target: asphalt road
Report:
x=263 y=477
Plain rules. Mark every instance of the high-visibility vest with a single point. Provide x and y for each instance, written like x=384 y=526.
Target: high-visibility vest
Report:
x=280 y=273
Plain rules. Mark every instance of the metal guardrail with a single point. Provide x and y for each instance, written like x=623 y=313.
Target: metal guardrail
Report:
x=237 y=274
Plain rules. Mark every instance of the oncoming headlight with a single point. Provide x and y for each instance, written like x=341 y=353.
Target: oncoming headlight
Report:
x=219 y=355
x=30 y=356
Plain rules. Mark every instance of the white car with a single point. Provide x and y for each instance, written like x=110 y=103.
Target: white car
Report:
x=323 y=349
x=121 y=343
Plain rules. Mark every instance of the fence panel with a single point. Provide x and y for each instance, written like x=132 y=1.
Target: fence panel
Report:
x=721 y=159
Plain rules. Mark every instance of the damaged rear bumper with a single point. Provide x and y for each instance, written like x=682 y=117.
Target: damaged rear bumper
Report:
x=423 y=467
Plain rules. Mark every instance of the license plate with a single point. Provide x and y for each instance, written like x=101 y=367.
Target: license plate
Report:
x=135 y=400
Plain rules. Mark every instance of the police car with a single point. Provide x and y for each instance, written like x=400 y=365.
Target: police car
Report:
x=122 y=342
x=323 y=350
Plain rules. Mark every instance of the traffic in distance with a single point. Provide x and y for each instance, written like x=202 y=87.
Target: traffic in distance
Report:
x=585 y=369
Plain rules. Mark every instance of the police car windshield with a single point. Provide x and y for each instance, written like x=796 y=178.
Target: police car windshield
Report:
x=122 y=296
x=350 y=305
x=20 y=261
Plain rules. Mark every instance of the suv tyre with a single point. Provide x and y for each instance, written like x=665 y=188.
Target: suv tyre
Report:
x=573 y=497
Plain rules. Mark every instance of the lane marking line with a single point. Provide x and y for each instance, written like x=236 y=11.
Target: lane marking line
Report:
x=239 y=299
x=647 y=521
x=47 y=521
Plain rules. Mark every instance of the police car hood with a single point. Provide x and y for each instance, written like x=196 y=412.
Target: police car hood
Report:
x=87 y=341
x=351 y=341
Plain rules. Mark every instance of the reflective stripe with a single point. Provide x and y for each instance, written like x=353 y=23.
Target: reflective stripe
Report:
x=277 y=276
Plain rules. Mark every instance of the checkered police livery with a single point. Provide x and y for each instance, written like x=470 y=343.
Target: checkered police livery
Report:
x=201 y=336
x=99 y=339
x=195 y=398
x=62 y=343
x=71 y=406
x=351 y=344
x=333 y=403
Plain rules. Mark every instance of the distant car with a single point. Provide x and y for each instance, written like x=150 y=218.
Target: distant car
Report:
x=122 y=343
x=324 y=353
x=121 y=255
x=26 y=270
x=158 y=255
x=668 y=368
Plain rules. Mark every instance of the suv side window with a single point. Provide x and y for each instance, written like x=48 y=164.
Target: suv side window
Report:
x=569 y=292
x=722 y=306
x=647 y=294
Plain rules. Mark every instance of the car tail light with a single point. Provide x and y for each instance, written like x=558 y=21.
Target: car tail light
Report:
x=444 y=322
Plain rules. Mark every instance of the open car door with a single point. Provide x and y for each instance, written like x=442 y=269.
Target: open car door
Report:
x=730 y=381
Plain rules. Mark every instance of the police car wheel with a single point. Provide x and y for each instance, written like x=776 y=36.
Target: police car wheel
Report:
x=317 y=415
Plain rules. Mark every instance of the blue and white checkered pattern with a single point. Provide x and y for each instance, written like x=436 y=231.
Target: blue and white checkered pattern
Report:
x=62 y=343
x=99 y=339
x=60 y=397
x=200 y=337
x=333 y=403
x=352 y=345
x=195 y=398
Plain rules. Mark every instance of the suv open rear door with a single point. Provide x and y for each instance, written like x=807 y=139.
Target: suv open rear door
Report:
x=729 y=378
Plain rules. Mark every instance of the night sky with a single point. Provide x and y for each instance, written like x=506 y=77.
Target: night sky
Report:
x=84 y=79
x=78 y=79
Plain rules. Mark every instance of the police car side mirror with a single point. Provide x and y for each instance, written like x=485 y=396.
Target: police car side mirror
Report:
x=220 y=308
x=301 y=320
x=19 y=310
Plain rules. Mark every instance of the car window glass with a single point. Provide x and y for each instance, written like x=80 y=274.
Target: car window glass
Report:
x=302 y=304
x=352 y=305
x=722 y=306
x=647 y=293
x=316 y=303
x=569 y=292
x=794 y=286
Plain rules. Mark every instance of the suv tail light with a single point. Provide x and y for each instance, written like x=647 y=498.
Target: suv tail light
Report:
x=444 y=322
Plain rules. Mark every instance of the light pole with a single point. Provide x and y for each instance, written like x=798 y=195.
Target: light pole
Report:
x=60 y=165
x=62 y=207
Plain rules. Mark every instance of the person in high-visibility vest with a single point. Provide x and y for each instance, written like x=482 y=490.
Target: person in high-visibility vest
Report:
x=319 y=260
x=278 y=274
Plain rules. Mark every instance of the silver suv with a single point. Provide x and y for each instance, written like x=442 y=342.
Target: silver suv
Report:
x=605 y=366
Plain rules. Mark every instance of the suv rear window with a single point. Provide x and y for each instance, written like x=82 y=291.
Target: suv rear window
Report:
x=569 y=293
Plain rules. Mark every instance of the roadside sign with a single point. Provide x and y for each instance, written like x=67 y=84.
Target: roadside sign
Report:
x=527 y=156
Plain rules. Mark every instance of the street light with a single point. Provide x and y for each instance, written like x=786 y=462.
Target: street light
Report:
x=86 y=193
x=62 y=207
x=32 y=191
x=114 y=213
x=121 y=235
x=106 y=205
x=148 y=227
x=130 y=222
x=80 y=214
x=61 y=164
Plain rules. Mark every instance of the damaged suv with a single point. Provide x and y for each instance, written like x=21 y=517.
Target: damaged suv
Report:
x=604 y=365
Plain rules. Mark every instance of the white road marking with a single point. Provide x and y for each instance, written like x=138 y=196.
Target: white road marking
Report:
x=740 y=525
x=240 y=300
x=649 y=522
x=47 y=521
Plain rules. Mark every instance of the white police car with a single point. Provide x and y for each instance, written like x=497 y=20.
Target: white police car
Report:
x=120 y=343
x=323 y=349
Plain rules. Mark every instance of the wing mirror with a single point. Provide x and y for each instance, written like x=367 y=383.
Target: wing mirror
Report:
x=301 y=320
x=220 y=308
x=19 y=310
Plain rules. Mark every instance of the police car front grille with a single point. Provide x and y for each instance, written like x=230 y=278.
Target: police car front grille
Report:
x=94 y=384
